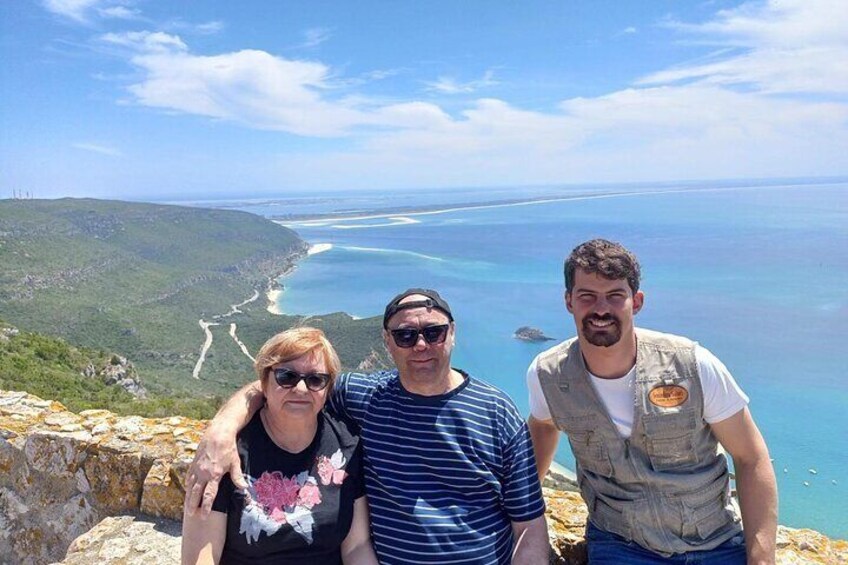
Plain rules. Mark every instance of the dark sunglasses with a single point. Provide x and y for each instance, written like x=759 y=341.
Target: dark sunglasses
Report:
x=408 y=337
x=288 y=378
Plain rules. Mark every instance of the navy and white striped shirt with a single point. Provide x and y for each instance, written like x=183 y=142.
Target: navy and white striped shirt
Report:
x=445 y=475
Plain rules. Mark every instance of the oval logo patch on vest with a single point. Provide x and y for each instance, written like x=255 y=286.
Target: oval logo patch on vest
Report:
x=668 y=396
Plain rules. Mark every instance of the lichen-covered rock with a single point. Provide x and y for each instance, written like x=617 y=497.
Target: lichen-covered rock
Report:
x=566 y=514
x=127 y=540
x=61 y=473
x=808 y=547
x=56 y=453
x=115 y=479
x=163 y=489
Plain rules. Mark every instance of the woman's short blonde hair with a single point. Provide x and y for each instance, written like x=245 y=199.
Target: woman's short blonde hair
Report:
x=292 y=344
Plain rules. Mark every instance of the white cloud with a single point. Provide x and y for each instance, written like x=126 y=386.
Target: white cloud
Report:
x=249 y=87
x=120 y=13
x=726 y=117
x=209 y=28
x=255 y=89
x=82 y=11
x=380 y=74
x=204 y=28
x=315 y=36
x=629 y=30
x=449 y=85
x=146 y=41
x=73 y=9
x=787 y=46
x=97 y=148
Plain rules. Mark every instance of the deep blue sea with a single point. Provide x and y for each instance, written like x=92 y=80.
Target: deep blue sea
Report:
x=759 y=275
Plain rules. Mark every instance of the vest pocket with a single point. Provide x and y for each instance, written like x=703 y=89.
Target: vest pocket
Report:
x=611 y=519
x=669 y=439
x=702 y=520
x=590 y=451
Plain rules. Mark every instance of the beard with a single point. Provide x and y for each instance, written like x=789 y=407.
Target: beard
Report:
x=602 y=337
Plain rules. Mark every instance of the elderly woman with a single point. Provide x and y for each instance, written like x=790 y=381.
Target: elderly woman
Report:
x=305 y=499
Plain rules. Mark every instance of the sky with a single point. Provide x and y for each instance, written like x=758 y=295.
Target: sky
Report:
x=181 y=99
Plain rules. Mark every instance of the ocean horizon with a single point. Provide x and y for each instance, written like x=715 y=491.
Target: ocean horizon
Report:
x=754 y=273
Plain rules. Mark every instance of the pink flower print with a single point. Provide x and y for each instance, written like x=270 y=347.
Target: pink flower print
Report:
x=309 y=495
x=339 y=475
x=290 y=489
x=274 y=491
x=330 y=469
x=325 y=470
x=278 y=515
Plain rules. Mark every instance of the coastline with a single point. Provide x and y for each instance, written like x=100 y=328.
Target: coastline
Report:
x=275 y=291
x=273 y=294
x=564 y=471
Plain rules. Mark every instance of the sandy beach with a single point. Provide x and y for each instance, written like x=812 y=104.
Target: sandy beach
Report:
x=274 y=291
x=319 y=248
x=273 y=296
x=559 y=469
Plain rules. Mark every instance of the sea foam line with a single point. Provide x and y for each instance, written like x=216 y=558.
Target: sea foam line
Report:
x=319 y=248
x=392 y=252
x=398 y=221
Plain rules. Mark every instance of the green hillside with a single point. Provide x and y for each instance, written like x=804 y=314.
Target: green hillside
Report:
x=50 y=368
x=136 y=278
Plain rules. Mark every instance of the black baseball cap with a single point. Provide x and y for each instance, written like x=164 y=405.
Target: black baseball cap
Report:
x=433 y=300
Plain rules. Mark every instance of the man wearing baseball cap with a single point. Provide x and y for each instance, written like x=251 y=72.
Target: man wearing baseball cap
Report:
x=449 y=466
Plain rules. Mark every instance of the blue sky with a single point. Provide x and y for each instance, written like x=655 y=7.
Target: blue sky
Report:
x=147 y=99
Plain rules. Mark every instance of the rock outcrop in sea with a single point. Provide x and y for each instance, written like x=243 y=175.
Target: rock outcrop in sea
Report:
x=98 y=488
x=526 y=333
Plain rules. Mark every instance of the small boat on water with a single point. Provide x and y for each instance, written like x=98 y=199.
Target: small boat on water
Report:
x=806 y=484
x=833 y=481
x=785 y=470
x=813 y=472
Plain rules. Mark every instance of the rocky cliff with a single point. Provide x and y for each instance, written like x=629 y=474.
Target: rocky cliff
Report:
x=95 y=487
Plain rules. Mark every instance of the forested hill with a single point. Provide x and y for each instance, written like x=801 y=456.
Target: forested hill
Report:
x=136 y=278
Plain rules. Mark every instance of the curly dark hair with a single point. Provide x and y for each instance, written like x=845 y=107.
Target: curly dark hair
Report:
x=608 y=259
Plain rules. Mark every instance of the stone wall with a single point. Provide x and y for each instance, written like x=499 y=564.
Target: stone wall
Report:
x=62 y=473
x=95 y=487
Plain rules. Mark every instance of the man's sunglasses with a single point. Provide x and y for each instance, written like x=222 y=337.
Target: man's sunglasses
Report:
x=408 y=337
x=288 y=378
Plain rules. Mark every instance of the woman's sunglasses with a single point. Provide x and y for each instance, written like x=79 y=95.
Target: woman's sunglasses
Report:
x=408 y=337
x=288 y=378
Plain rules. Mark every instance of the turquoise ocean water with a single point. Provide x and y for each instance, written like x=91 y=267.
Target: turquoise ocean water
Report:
x=757 y=275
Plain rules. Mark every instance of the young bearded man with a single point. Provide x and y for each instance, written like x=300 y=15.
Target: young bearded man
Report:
x=645 y=413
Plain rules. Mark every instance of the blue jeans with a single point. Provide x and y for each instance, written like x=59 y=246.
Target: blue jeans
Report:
x=609 y=549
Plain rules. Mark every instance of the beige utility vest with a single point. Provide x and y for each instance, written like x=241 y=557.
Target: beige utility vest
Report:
x=667 y=486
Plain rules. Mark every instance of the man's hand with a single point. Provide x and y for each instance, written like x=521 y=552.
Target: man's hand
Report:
x=216 y=455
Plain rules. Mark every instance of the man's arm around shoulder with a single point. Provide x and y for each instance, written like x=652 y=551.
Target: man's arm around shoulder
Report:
x=755 y=483
x=216 y=454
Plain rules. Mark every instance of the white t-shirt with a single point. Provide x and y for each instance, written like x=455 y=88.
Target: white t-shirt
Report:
x=722 y=396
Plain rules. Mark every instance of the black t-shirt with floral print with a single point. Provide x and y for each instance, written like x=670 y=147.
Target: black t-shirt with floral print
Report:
x=298 y=507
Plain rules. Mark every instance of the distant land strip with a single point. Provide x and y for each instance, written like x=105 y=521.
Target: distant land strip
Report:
x=291 y=220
